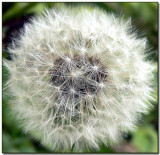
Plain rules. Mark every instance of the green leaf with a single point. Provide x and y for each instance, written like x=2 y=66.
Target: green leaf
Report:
x=146 y=139
x=17 y=10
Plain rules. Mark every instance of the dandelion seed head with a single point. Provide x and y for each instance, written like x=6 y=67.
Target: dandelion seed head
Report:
x=79 y=77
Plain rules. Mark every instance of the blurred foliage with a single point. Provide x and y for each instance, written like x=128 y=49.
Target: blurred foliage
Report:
x=145 y=139
x=144 y=17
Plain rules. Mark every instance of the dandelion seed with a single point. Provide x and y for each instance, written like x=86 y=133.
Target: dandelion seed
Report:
x=95 y=68
x=68 y=59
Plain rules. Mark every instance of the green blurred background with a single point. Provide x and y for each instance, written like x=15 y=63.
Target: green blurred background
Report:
x=144 y=17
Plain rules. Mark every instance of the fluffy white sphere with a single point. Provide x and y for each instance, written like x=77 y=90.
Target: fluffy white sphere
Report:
x=79 y=78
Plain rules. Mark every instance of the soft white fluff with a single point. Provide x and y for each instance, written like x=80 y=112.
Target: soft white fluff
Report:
x=101 y=117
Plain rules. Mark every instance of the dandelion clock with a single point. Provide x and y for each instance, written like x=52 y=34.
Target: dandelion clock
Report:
x=79 y=78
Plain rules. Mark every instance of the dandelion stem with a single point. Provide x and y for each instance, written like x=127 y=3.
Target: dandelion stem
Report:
x=72 y=147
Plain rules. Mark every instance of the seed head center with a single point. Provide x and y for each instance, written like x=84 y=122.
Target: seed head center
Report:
x=81 y=76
